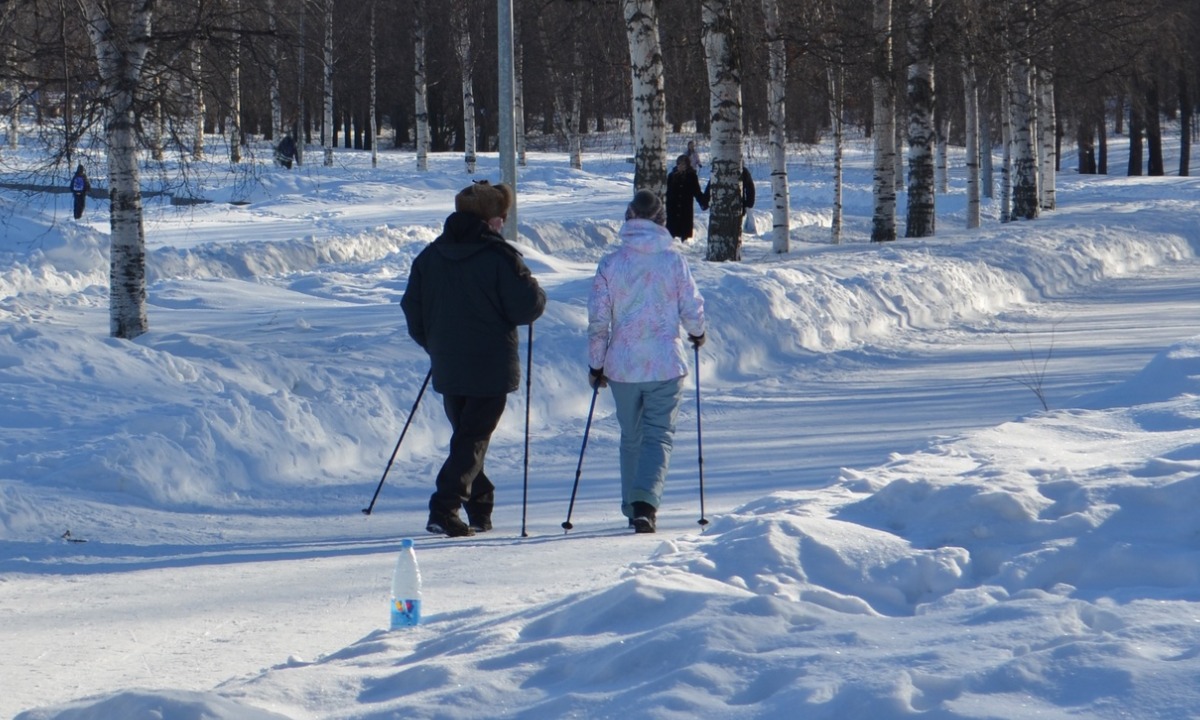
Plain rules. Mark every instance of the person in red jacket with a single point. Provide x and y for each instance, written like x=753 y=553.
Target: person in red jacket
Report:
x=467 y=293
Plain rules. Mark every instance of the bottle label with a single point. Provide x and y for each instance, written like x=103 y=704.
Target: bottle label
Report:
x=405 y=613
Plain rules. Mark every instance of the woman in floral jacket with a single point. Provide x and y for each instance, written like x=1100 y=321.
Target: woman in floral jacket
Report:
x=641 y=295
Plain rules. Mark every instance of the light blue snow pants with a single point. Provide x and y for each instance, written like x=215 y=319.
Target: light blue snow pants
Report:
x=646 y=412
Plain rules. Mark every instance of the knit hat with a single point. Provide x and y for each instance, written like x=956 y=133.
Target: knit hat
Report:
x=485 y=200
x=646 y=206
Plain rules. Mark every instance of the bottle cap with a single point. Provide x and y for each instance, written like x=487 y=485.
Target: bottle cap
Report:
x=406 y=543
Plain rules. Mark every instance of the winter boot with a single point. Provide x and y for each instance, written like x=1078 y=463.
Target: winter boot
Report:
x=448 y=524
x=479 y=514
x=643 y=517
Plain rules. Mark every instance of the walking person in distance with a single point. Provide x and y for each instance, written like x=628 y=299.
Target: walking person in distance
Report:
x=79 y=189
x=683 y=187
x=285 y=153
x=641 y=295
x=467 y=293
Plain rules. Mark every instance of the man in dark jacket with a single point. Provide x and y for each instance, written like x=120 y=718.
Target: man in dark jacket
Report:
x=467 y=293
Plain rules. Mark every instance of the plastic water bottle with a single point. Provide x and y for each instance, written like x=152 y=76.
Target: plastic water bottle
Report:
x=406 y=588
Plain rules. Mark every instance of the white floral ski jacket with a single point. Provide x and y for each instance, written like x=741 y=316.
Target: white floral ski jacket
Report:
x=641 y=295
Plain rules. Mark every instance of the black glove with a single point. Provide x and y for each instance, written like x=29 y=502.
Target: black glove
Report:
x=697 y=340
x=596 y=378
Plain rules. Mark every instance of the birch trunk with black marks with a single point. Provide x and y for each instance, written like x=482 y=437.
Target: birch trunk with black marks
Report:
x=883 y=217
x=301 y=122
x=836 y=79
x=1047 y=130
x=1006 y=140
x=921 y=199
x=649 y=96
x=198 y=109
x=277 y=129
x=235 y=92
x=373 y=122
x=420 y=86
x=327 y=68
x=120 y=56
x=719 y=38
x=971 y=131
x=1024 y=165
x=466 y=69
x=519 y=95
x=777 y=127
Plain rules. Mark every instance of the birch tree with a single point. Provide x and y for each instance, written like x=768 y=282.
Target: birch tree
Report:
x=519 y=94
x=971 y=128
x=462 y=51
x=327 y=68
x=1047 y=132
x=235 y=94
x=777 y=127
x=649 y=96
x=836 y=79
x=1024 y=165
x=420 y=85
x=921 y=204
x=301 y=123
x=1006 y=141
x=1186 y=115
x=197 y=90
x=120 y=34
x=883 y=116
x=987 y=180
x=718 y=35
x=374 y=92
x=277 y=129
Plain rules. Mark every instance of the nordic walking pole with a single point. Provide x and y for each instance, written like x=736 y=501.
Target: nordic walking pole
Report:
x=367 y=510
x=579 y=469
x=528 y=393
x=699 y=438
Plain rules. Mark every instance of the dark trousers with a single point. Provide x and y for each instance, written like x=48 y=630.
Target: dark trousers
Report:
x=80 y=199
x=461 y=479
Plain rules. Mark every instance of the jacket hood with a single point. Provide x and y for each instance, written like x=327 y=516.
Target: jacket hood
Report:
x=646 y=236
x=463 y=235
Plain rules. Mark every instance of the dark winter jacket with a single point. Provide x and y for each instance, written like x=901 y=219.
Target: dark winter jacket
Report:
x=79 y=182
x=748 y=192
x=467 y=293
x=683 y=186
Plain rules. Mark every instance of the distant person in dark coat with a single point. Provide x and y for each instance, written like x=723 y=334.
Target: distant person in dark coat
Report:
x=748 y=196
x=748 y=193
x=79 y=188
x=285 y=154
x=467 y=292
x=683 y=187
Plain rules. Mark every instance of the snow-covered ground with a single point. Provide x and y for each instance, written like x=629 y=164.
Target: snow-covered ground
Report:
x=897 y=527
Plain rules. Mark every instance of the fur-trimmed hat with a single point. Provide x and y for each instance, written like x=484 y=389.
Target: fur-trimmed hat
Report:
x=484 y=199
x=646 y=206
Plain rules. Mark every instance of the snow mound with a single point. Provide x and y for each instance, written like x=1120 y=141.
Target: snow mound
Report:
x=154 y=705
